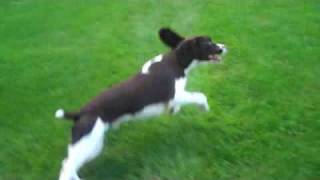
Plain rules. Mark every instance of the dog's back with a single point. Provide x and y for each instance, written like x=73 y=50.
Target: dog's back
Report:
x=132 y=96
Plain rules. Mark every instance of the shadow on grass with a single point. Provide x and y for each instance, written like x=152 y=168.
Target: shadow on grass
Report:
x=130 y=148
x=108 y=168
x=122 y=158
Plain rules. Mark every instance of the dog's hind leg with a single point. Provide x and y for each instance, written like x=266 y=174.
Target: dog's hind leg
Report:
x=87 y=143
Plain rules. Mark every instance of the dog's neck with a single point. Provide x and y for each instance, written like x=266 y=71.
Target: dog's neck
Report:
x=184 y=57
x=183 y=60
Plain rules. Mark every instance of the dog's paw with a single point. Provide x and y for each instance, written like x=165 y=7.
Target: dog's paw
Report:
x=175 y=109
x=205 y=107
x=202 y=101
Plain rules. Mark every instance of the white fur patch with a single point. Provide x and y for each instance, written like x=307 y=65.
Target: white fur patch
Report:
x=180 y=84
x=148 y=111
x=179 y=87
x=183 y=97
x=148 y=64
x=59 y=113
x=87 y=148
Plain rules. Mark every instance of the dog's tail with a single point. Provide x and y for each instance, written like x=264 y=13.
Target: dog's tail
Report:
x=60 y=113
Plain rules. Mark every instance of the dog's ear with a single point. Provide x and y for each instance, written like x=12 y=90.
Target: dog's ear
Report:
x=169 y=37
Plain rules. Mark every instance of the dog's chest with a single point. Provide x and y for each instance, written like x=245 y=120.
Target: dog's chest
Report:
x=148 y=111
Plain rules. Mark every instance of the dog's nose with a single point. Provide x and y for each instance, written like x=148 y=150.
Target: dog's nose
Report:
x=223 y=48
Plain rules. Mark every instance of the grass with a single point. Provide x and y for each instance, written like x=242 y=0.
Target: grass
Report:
x=264 y=120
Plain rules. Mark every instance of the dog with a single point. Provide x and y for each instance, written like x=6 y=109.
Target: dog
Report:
x=158 y=87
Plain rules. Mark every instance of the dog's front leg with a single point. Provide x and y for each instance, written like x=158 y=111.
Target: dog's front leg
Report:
x=184 y=98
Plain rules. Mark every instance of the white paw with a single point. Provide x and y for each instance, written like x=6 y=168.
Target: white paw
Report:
x=202 y=101
x=175 y=109
x=205 y=107
x=76 y=177
x=67 y=172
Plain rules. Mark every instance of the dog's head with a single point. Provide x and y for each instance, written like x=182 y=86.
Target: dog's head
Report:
x=196 y=49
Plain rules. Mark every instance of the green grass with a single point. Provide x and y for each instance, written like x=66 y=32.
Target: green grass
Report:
x=264 y=121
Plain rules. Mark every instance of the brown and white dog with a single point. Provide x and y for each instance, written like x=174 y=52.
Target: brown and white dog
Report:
x=160 y=85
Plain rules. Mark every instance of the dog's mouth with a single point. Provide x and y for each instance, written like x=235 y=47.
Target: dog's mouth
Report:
x=215 y=57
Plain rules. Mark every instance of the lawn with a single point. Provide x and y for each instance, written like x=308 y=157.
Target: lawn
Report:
x=264 y=122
